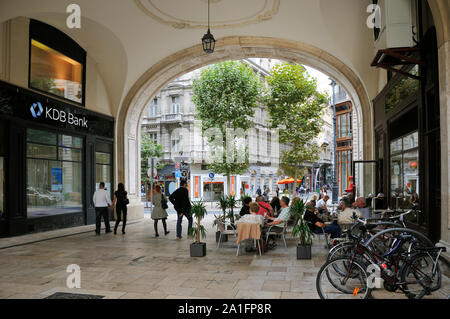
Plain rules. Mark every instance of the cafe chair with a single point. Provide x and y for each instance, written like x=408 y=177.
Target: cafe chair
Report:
x=255 y=241
x=325 y=235
x=224 y=231
x=271 y=231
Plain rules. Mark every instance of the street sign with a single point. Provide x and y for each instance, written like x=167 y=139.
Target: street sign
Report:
x=211 y=175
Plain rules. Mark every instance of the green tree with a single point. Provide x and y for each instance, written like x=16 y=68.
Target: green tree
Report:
x=296 y=108
x=226 y=95
x=149 y=148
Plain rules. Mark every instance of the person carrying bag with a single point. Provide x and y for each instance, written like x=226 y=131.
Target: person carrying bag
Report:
x=121 y=201
x=159 y=210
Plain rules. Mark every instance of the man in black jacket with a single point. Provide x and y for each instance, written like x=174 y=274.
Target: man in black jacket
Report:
x=182 y=204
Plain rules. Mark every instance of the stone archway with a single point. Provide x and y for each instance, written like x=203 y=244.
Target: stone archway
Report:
x=230 y=48
x=441 y=16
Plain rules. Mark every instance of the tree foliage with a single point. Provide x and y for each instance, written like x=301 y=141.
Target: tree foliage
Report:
x=149 y=148
x=296 y=108
x=226 y=95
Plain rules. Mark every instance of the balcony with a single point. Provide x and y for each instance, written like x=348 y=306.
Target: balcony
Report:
x=172 y=118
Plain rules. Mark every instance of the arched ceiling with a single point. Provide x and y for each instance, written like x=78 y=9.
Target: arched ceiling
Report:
x=125 y=41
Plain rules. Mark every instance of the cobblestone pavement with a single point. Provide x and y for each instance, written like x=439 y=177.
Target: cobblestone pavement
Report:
x=138 y=265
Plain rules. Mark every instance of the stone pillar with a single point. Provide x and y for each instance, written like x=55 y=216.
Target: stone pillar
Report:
x=444 y=89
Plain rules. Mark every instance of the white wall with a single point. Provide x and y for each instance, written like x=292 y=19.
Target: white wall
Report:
x=14 y=61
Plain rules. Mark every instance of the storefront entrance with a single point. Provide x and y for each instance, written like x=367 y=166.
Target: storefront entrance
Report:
x=53 y=155
x=212 y=191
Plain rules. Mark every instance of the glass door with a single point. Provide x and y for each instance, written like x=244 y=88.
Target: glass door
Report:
x=365 y=179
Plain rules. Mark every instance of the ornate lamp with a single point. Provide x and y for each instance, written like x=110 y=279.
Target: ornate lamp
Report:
x=208 y=40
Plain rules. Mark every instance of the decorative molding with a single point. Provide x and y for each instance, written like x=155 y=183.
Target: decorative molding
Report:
x=268 y=10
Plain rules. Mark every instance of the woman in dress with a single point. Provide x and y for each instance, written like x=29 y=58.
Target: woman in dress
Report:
x=158 y=211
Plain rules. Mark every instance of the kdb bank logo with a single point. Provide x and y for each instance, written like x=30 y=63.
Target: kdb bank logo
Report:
x=36 y=110
x=58 y=115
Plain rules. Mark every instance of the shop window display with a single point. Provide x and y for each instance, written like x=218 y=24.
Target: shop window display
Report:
x=54 y=173
x=405 y=171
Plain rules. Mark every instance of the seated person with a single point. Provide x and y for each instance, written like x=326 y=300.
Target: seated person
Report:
x=361 y=206
x=253 y=217
x=246 y=207
x=264 y=208
x=284 y=216
x=254 y=208
x=322 y=205
x=275 y=203
x=316 y=224
x=346 y=214
x=314 y=200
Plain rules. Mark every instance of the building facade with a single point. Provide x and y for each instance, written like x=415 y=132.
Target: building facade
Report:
x=170 y=116
x=54 y=151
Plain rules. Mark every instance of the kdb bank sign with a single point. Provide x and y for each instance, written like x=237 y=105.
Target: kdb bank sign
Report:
x=50 y=113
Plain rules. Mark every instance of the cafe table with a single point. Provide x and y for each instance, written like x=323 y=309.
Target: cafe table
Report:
x=248 y=230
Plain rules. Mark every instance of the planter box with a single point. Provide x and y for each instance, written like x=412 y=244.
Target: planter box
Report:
x=224 y=237
x=198 y=250
x=304 y=252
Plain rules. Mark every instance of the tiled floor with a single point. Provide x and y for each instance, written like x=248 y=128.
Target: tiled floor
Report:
x=138 y=265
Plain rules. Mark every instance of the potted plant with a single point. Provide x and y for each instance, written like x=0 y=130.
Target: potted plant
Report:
x=223 y=205
x=231 y=204
x=302 y=230
x=198 y=249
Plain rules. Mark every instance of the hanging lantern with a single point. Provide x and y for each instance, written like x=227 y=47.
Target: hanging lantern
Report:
x=208 y=40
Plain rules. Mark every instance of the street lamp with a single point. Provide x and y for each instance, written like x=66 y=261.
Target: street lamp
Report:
x=208 y=40
x=334 y=198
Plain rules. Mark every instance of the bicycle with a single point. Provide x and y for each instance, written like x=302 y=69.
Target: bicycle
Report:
x=354 y=281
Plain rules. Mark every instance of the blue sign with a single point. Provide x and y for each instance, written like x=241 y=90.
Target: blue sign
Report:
x=211 y=175
x=177 y=174
x=56 y=179
x=36 y=109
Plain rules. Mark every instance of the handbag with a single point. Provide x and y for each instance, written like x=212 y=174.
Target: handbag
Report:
x=164 y=202
x=126 y=201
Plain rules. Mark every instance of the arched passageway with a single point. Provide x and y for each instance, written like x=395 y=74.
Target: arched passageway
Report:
x=231 y=48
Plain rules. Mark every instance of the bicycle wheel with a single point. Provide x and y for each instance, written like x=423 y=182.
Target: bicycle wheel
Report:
x=419 y=276
x=331 y=284
x=341 y=250
x=397 y=241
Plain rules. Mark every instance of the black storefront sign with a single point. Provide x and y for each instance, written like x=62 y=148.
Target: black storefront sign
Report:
x=27 y=105
x=22 y=109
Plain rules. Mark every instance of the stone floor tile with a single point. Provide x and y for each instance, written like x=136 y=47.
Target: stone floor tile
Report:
x=257 y=294
x=215 y=293
x=276 y=285
x=139 y=266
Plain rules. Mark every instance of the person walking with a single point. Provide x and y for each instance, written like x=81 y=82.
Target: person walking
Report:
x=121 y=201
x=182 y=205
x=159 y=212
x=102 y=201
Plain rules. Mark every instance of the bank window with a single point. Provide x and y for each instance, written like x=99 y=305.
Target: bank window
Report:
x=54 y=174
x=55 y=73
x=56 y=63
x=405 y=171
x=103 y=168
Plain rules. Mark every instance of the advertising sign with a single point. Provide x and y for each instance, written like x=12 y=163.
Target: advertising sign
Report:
x=57 y=179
